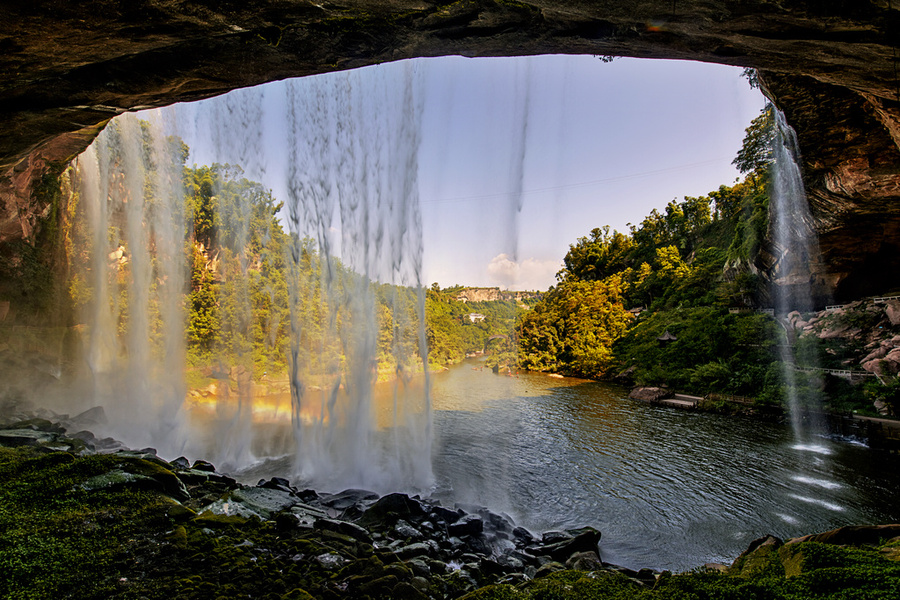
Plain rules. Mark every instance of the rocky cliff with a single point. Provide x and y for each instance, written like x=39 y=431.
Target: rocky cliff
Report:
x=493 y=294
x=830 y=64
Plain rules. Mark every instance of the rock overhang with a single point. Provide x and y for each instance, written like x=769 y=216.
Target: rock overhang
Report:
x=832 y=66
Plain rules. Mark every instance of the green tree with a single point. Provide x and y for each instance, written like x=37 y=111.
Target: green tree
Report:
x=596 y=256
x=573 y=328
x=756 y=154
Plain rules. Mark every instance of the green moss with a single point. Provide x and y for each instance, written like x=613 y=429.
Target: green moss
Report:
x=215 y=521
x=495 y=592
x=59 y=539
x=297 y=594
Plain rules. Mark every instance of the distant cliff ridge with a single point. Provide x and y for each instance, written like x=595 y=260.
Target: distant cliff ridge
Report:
x=493 y=294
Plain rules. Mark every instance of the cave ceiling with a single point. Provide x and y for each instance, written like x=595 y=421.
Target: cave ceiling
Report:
x=831 y=65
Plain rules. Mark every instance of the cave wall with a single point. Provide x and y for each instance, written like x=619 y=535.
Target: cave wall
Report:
x=831 y=65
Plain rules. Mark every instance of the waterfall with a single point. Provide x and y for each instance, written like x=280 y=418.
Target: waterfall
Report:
x=352 y=180
x=135 y=350
x=346 y=171
x=797 y=244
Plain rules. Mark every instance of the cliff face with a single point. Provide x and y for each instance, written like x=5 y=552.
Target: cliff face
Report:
x=493 y=294
x=66 y=68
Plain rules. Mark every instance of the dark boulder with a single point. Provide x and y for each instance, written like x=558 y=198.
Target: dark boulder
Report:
x=390 y=508
x=202 y=465
x=467 y=525
x=343 y=527
x=584 y=540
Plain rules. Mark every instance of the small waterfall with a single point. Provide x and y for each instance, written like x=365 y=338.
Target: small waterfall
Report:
x=795 y=239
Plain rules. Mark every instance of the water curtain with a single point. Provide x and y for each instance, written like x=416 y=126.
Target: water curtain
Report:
x=347 y=172
x=135 y=344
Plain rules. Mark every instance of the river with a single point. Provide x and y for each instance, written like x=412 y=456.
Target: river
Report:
x=669 y=489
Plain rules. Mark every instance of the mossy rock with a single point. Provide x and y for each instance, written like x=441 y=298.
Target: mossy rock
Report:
x=383 y=586
x=407 y=591
x=760 y=558
x=216 y=521
x=501 y=591
x=793 y=559
x=298 y=594
x=154 y=476
x=178 y=536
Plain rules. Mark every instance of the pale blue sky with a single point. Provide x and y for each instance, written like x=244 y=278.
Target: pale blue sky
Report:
x=517 y=157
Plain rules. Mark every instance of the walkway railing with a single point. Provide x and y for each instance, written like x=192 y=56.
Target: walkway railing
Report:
x=843 y=373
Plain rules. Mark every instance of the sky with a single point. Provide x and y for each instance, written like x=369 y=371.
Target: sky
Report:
x=512 y=159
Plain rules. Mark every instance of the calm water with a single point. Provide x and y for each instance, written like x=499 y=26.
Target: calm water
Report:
x=669 y=489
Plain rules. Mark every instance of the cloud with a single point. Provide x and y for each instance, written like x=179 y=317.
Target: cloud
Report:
x=529 y=274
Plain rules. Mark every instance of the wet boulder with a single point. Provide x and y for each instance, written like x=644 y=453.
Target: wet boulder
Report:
x=344 y=500
x=466 y=525
x=584 y=561
x=389 y=509
x=344 y=527
x=140 y=474
x=441 y=517
x=277 y=483
x=26 y=437
x=89 y=418
x=404 y=530
x=248 y=502
x=414 y=550
x=181 y=463
x=202 y=465
x=523 y=537
x=349 y=504
x=586 y=539
x=548 y=568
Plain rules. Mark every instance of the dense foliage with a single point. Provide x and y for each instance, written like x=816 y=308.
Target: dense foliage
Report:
x=695 y=253
x=692 y=271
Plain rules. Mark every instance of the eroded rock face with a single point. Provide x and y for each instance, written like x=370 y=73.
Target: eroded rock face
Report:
x=68 y=67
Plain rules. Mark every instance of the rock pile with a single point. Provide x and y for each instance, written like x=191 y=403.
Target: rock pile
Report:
x=354 y=543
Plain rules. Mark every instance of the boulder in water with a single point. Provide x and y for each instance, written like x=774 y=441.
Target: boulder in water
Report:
x=649 y=394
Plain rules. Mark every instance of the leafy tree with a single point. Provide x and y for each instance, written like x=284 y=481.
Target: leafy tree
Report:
x=573 y=328
x=756 y=153
x=596 y=256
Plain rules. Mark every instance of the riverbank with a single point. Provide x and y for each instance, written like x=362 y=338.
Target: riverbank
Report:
x=84 y=518
x=876 y=432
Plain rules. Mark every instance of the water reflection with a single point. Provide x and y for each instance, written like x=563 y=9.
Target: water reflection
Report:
x=669 y=489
